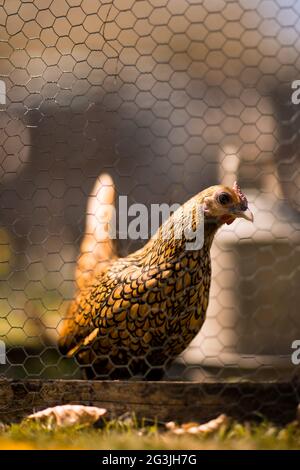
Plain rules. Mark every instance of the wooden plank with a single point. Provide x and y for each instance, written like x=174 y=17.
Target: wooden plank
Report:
x=164 y=401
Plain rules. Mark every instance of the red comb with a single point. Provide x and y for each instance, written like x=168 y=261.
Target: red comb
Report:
x=241 y=195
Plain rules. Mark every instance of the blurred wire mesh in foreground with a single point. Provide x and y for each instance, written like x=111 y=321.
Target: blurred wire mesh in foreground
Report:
x=169 y=97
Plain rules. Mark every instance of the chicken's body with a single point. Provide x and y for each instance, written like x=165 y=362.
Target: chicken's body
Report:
x=142 y=311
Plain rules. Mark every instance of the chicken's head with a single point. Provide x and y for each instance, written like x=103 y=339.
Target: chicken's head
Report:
x=225 y=204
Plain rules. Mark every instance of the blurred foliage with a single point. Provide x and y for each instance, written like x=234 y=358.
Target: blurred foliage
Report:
x=130 y=434
x=6 y=252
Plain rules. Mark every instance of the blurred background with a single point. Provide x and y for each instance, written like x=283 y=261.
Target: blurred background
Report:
x=169 y=97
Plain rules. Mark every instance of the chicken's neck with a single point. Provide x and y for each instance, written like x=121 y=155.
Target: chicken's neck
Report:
x=165 y=247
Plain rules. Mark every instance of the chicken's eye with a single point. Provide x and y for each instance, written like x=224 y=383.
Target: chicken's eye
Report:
x=224 y=198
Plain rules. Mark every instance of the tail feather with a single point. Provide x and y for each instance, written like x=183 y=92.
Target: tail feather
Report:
x=97 y=247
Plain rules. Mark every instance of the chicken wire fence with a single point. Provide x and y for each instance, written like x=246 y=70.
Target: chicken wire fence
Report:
x=168 y=97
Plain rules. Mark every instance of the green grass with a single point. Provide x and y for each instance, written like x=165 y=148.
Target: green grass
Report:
x=131 y=435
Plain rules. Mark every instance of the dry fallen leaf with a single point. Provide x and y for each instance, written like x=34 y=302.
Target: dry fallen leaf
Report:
x=67 y=415
x=195 y=428
x=213 y=425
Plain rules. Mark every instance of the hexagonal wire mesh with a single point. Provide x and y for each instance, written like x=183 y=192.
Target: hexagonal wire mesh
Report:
x=168 y=97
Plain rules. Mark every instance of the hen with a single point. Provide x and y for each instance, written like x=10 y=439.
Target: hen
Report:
x=132 y=316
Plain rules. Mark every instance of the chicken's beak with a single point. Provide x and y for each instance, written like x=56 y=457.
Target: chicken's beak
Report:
x=247 y=214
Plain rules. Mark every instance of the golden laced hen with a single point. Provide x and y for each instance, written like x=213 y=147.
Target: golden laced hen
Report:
x=132 y=316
